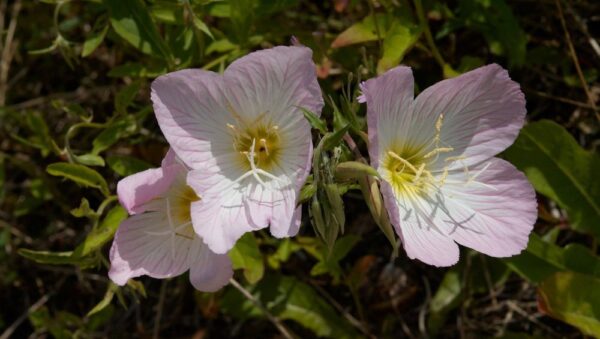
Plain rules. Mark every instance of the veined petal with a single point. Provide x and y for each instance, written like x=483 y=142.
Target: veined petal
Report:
x=144 y=245
x=275 y=82
x=483 y=111
x=220 y=217
x=191 y=111
x=389 y=100
x=136 y=190
x=493 y=213
x=417 y=223
x=209 y=271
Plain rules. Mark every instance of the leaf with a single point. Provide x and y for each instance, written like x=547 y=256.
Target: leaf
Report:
x=336 y=204
x=314 y=120
x=329 y=262
x=56 y=258
x=108 y=296
x=136 y=70
x=332 y=140
x=496 y=22
x=126 y=95
x=200 y=25
x=398 y=40
x=125 y=165
x=561 y=170
x=446 y=298
x=289 y=299
x=246 y=255
x=103 y=233
x=363 y=31
x=95 y=38
x=117 y=129
x=573 y=298
x=131 y=20
x=351 y=170
x=541 y=259
x=90 y=160
x=83 y=210
x=80 y=174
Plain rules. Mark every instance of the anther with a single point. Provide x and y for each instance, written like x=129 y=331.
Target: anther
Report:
x=263 y=143
x=419 y=172
x=401 y=159
x=438 y=151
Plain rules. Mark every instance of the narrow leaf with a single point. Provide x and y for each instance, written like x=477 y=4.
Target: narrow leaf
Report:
x=80 y=174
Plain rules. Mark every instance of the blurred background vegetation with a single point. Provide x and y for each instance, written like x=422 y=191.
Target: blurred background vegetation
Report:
x=76 y=117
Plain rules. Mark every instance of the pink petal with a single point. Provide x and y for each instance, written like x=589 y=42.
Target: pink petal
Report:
x=493 y=215
x=220 y=217
x=136 y=252
x=209 y=271
x=483 y=113
x=276 y=81
x=417 y=223
x=389 y=98
x=137 y=189
x=191 y=111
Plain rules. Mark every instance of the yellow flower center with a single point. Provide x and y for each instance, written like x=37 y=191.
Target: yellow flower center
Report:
x=260 y=142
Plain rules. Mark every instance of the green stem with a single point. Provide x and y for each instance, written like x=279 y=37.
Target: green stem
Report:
x=425 y=27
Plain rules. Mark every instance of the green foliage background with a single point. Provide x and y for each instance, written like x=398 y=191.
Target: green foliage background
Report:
x=76 y=117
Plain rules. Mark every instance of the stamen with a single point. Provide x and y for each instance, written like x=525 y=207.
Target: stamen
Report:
x=438 y=151
x=263 y=142
x=419 y=172
x=397 y=157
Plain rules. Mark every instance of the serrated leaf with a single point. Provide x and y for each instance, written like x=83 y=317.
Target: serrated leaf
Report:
x=80 y=174
x=103 y=233
x=573 y=298
x=125 y=165
x=131 y=20
x=561 y=170
x=246 y=255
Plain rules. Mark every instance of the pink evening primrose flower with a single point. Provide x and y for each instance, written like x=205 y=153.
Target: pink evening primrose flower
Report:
x=245 y=138
x=158 y=239
x=441 y=183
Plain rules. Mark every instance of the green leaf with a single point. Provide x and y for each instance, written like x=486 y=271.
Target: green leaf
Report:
x=200 y=25
x=95 y=38
x=398 y=40
x=136 y=70
x=314 y=120
x=351 y=170
x=329 y=262
x=126 y=95
x=541 y=259
x=108 y=296
x=363 y=31
x=56 y=258
x=561 y=170
x=131 y=20
x=125 y=165
x=103 y=233
x=334 y=139
x=287 y=298
x=246 y=255
x=573 y=298
x=83 y=210
x=90 y=160
x=446 y=298
x=80 y=174
x=307 y=192
x=117 y=129
x=336 y=204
